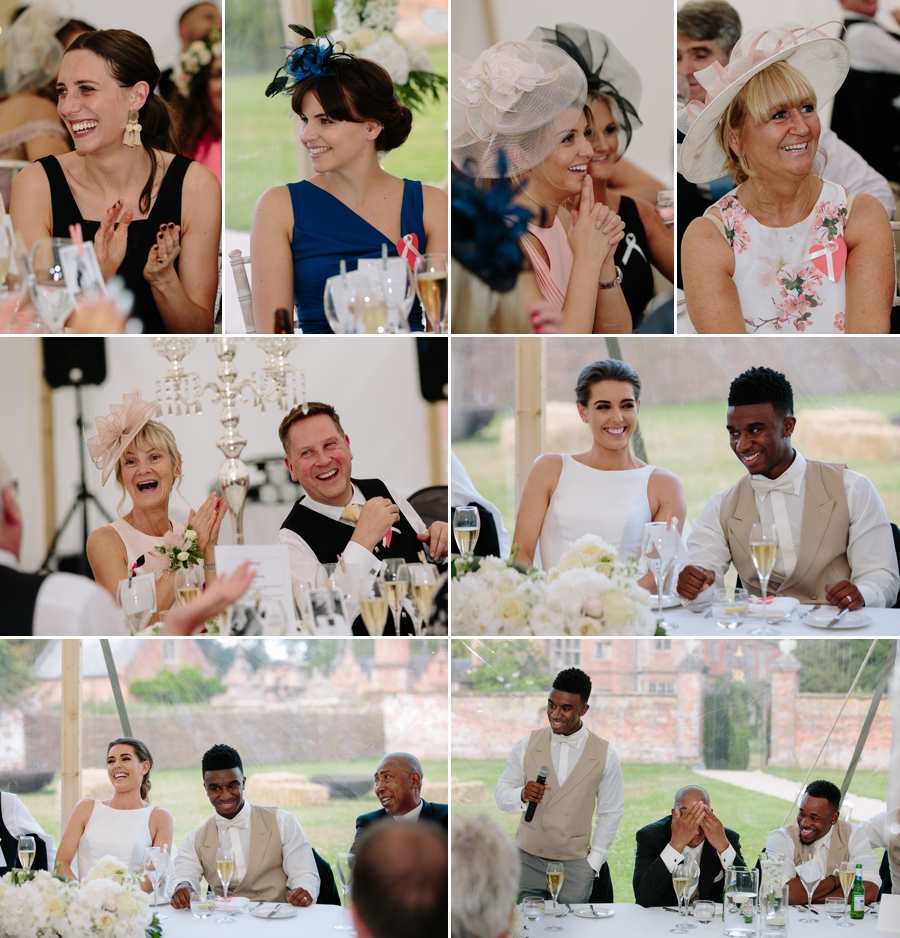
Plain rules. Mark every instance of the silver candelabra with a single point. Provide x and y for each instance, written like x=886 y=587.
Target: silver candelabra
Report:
x=180 y=392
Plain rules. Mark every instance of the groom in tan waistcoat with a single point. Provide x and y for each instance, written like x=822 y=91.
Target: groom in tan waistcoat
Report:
x=835 y=544
x=820 y=834
x=585 y=776
x=273 y=861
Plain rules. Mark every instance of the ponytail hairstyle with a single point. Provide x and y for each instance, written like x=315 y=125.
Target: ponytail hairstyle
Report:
x=140 y=750
x=130 y=59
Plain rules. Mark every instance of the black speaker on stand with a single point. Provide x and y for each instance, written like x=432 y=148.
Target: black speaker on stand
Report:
x=75 y=362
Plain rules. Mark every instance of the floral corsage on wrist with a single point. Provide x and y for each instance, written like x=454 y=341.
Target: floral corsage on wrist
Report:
x=181 y=552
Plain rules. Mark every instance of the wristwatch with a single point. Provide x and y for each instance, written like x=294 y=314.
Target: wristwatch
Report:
x=612 y=283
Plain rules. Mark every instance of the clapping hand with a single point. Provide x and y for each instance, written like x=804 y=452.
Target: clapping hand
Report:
x=111 y=239
x=595 y=229
x=161 y=259
x=207 y=520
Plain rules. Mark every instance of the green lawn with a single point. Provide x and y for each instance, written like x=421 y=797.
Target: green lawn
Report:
x=648 y=796
x=329 y=827
x=865 y=783
x=687 y=439
x=261 y=152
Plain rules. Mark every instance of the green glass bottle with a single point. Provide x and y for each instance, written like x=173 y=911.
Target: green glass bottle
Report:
x=858 y=895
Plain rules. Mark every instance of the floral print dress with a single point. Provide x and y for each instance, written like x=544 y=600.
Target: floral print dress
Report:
x=782 y=274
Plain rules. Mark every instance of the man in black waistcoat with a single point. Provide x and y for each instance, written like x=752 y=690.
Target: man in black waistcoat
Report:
x=17 y=821
x=363 y=519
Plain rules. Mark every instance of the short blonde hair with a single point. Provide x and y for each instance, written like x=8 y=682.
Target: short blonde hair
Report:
x=775 y=88
x=153 y=435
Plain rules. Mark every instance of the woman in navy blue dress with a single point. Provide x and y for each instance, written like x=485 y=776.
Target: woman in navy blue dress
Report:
x=303 y=230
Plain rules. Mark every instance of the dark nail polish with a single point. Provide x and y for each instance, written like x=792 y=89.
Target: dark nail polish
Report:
x=171 y=225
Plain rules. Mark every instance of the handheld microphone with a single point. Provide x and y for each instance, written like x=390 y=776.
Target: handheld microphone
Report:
x=543 y=772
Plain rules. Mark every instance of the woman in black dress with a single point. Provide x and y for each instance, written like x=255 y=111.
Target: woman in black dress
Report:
x=154 y=216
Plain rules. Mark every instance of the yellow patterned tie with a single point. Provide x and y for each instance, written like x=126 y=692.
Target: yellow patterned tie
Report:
x=350 y=513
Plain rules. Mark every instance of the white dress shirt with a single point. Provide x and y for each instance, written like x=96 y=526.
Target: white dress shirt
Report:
x=671 y=857
x=68 y=604
x=304 y=562
x=860 y=852
x=410 y=815
x=565 y=751
x=463 y=492
x=870 y=549
x=298 y=861
x=19 y=820
x=872 y=49
x=877 y=830
x=846 y=167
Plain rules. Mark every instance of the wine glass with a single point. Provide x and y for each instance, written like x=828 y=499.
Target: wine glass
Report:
x=188 y=583
x=680 y=882
x=431 y=285
x=845 y=873
x=659 y=547
x=810 y=874
x=466 y=528
x=368 y=305
x=156 y=863
x=665 y=204
x=337 y=304
x=47 y=284
x=345 y=873
x=556 y=873
x=763 y=550
x=396 y=580
x=729 y=607
x=422 y=582
x=225 y=869
x=26 y=851
x=137 y=599
x=373 y=605
x=397 y=283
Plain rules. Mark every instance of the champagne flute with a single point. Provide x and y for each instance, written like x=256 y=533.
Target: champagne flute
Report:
x=845 y=873
x=396 y=581
x=680 y=882
x=225 y=869
x=659 y=547
x=345 y=874
x=556 y=873
x=188 y=584
x=431 y=285
x=422 y=583
x=155 y=863
x=373 y=605
x=368 y=305
x=466 y=528
x=398 y=285
x=763 y=550
x=810 y=874
x=26 y=849
x=137 y=599
x=47 y=283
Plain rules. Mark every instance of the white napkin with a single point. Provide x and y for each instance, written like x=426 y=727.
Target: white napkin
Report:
x=235 y=903
x=779 y=608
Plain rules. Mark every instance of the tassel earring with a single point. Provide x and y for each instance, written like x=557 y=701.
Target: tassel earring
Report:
x=133 y=129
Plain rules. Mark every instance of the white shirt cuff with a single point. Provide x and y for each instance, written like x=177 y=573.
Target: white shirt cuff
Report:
x=727 y=857
x=671 y=857
x=596 y=859
x=368 y=562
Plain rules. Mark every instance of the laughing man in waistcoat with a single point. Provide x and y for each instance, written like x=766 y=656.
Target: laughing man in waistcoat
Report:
x=692 y=826
x=835 y=544
x=363 y=519
x=398 y=782
x=585 y=778
x=273 y=860
x=820 y=834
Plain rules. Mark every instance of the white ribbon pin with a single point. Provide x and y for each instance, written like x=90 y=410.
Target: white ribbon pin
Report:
x=632 y=245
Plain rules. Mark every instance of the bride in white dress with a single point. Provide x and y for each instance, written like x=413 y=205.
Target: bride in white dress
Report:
x=122 y=826
x=606 y=491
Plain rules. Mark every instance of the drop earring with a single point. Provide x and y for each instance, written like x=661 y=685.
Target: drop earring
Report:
x=133 y=129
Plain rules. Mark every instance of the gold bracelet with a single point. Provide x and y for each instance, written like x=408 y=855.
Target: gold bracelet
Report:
x=609 y=285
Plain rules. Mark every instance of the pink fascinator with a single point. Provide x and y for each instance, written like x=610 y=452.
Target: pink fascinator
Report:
x=116 y=431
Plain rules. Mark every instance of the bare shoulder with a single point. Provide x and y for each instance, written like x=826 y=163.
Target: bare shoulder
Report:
x=868 y=218
x=104 y=545
x=275 y=203
x=703 y=241
x=434 y=197
x=161 y=815
x=199 y=178
x=547 y=468
x=83 y=810
x=666 y=482
x=33 y=181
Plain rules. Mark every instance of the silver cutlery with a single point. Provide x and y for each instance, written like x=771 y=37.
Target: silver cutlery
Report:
x=838 y=617
x=277 y=907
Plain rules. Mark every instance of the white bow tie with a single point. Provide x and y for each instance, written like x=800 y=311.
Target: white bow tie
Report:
x=559 y=740
x=238 y=821
x=762 y=486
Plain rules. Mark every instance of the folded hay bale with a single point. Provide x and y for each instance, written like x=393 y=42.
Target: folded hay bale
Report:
x=468 y=792
x=285 y=788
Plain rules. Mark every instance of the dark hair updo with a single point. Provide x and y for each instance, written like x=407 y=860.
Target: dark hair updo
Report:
x=130 y=59
x=143 y=754
x=609 y=369
x=360 y=90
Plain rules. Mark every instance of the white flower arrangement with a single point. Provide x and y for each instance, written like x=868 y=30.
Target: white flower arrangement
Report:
x=107 y=903
x=588 y=593
x=197 y=55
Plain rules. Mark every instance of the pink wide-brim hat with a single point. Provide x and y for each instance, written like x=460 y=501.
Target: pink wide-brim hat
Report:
x=821 y=59
x=115 y=432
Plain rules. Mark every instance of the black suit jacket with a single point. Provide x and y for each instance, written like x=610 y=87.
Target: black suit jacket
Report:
x=652 y=879
x=433 y=813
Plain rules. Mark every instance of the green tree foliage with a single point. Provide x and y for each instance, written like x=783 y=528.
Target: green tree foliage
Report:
x=185 y=686
x=726 y=724
x=255 y=654
x=15 y=669
x=220 y=656
x=829 y=666
x=505 y=666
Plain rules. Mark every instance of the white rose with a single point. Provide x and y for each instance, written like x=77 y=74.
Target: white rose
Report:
x=492 y=564
x=391 y=56
x=594 y=607
x=510 y=611
x=618 y=608
x=190 y=534
x=583 y=626
x=182 y=556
